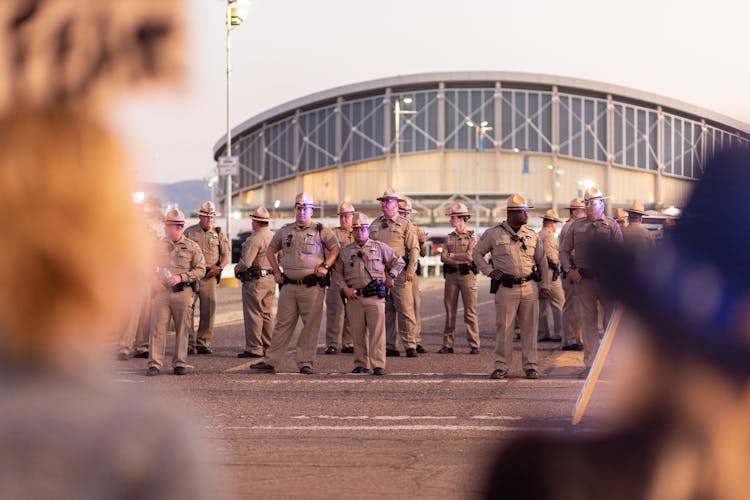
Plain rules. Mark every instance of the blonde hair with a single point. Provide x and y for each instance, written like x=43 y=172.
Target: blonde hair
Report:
x=71 y=238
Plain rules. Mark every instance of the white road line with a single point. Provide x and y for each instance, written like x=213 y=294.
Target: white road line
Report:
x=416 y=427
x=401 y=417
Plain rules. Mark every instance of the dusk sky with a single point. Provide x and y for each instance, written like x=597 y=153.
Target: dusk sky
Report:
x=291 y=48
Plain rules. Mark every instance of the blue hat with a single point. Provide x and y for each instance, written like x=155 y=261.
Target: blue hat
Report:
x=693 y=289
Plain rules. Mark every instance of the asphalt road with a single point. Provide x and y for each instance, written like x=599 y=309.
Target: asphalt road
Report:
x=428 y=429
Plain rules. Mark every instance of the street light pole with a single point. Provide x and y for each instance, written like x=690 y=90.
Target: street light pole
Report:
x=236 y=13
x=479 y=131
x=397 y=112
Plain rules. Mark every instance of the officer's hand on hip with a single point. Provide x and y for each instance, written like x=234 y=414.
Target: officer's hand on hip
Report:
x=351 y=293
x=174 y=280
x=574 y=275
x=543 y=294
x=389 y=282
x=496 y=274
x=409 y=276
x=278 y=277
x=321 y=271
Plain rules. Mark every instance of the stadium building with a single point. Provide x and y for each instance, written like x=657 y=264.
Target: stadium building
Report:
x=475 y=137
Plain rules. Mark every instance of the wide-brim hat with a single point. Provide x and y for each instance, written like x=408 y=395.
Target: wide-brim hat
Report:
x=404 y=205
x=459 y=210
x=175 y=217
x=345 y=208
x=518 y=202
x=359 y=219
x=593 y=193
x=207 y=209
x=636 y=208
x=260 y=214
x=692 y=289
x=620 y=214
x=304 y=200
x=389 y=194
x=576 y=203
x=551 y=214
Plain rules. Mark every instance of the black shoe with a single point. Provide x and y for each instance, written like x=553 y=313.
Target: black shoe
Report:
x=330 y=350
x=555 y=339
x=474 y=350
x=532 y=374
x=191 y=350
x=248 y=354
x=122 y=356
x=152 y=371
x=411 y=353
x=179 y=370
x=421 y=349
x=348 y=350
x=572 y=347
x=392 y=353
x=445 y=350
x=498 y=374
x=142 y=355
x=306 y=370
x=262 y=367
x=360 y=369
x=378 y=371
x=204 y=350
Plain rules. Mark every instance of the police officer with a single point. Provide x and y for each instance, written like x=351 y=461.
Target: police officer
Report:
x=621 y=217
x=571 y=332
x=338 y=329
x=556 y=298
x=635 y=235
x=460 y=278
x=308 y=250
x=258 y=286
x=213 y=244
x=576 y=259
x=397 y=233
x=404 y=210
x=180 y=267
x=363 y=272
x=517 y=259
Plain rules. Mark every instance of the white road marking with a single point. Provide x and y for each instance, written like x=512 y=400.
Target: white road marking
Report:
x=416 y=427
x=401 y=417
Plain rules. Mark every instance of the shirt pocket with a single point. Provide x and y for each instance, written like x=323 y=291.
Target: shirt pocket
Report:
x=311 y=245
x=375 y=264
x=182 y=259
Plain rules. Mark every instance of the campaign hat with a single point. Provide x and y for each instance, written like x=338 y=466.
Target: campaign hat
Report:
x=260 y=214
x=175 y=217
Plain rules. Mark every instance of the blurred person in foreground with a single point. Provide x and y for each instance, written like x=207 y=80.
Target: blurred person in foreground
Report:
x=680 y=429
x=66 y=431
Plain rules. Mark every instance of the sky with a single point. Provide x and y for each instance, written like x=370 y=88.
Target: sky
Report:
x=287 y=49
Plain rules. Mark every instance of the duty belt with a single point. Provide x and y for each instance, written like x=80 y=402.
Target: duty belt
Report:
x=266 y=272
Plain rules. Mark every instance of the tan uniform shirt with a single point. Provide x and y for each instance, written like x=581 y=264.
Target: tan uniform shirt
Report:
x=302 y=247
x=356 y=265
x=212 y=243
x=397 y=234
x=581 y=234
x=509 y=255
x=551 y=249
x=254 y=250
x=182 y=257
x=637 y=237
x=343 y=236
x=458 y=247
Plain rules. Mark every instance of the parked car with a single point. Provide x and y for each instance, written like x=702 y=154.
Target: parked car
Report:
x=237 y=245
x=435 y=245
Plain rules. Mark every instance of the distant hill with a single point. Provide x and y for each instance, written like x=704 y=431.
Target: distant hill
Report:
x=185 y=195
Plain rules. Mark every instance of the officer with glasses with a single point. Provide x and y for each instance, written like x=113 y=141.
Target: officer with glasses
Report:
x=518 y=260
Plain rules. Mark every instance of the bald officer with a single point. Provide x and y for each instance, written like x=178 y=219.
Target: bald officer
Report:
x=363 y=271
x=258 y=286
x=556 y=298
x=181 y=265
x=397 y=233
x=636 y=236
x=213 y=244
x=308 y=250
x=337 y=324
x=572 y=338
x=576 y=259
x=517 y=259
x=405 y=210
x=460 y=279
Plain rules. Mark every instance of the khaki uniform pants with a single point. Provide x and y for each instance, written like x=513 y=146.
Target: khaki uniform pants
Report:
x=466 y=285
x=338 y=329
x=135 y=335
x=399 y=314
x=556 y=302
x=571 y=330
x=367 y=316
x=178 y=306
x=417 y=318
x=521 y=301
x=297 y=301
x=207 y=298
x=257 y=309
x=588 y=293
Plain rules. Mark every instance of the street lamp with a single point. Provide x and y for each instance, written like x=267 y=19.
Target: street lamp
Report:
x=397 y=112
x=236 y=14
x=479 y=131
